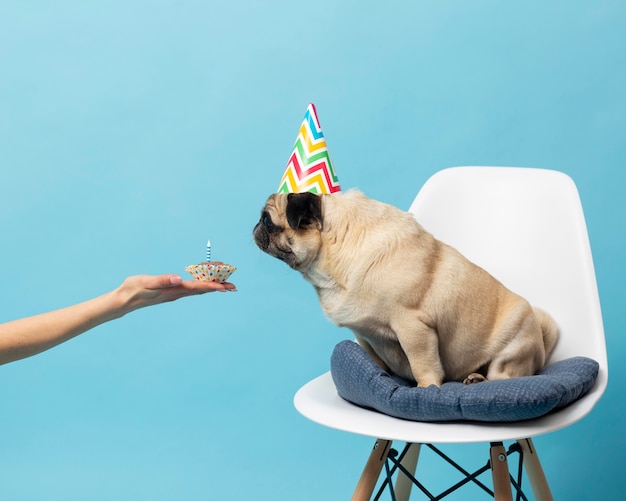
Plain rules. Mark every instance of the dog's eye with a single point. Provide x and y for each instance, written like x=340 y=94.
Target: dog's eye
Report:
x=267 y=222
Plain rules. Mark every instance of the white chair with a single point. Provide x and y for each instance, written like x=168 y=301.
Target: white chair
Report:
x=527 y=228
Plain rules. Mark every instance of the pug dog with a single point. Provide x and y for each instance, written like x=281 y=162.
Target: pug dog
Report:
x=415 y=304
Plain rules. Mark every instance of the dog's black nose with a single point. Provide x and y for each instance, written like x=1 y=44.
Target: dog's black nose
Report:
x=261 y=236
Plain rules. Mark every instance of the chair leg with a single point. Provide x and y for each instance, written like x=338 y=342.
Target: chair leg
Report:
x=371 y=472
x=500 y=473
x=403 y=483
x=537 y=478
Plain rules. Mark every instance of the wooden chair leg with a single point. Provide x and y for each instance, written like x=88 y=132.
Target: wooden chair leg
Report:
x=403 y=486
x=533 y=468
x=500 y=473
x=371 y=472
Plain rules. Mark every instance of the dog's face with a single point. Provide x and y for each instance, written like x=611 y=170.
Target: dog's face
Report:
x=290 y=228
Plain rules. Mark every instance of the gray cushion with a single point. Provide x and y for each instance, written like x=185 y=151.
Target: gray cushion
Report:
x=361 y=381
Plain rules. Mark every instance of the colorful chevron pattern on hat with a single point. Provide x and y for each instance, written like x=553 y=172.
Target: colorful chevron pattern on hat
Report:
x=309 y=167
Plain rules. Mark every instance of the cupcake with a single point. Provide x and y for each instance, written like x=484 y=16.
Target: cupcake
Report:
x=214 y=271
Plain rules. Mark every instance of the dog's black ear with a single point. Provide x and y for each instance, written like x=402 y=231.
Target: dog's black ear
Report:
x=304 y=210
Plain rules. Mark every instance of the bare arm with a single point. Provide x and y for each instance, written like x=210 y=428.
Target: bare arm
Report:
x=28 y=336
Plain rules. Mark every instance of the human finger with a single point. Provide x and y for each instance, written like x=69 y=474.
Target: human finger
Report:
x=201 y=286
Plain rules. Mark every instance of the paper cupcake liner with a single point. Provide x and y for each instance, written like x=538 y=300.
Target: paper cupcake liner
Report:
x=211 y=272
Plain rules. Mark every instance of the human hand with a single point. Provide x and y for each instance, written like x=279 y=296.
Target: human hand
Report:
x=140 y=291
x=28 y=336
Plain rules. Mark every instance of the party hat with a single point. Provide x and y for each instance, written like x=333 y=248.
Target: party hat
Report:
x=309 y=167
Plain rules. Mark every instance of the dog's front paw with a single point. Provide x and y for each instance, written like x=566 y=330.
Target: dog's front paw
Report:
x=473 y=378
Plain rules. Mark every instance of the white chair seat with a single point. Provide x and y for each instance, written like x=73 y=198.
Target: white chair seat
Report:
x=318 y=401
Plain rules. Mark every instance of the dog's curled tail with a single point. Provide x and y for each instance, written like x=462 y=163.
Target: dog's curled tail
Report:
x=549 y=329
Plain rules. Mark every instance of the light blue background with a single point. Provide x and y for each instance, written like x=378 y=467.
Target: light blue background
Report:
x=132 y=131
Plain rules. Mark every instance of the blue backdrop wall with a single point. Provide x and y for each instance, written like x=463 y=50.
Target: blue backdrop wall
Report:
x=132 y=131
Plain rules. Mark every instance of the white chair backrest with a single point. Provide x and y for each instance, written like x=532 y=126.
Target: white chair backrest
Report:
x=527 y=228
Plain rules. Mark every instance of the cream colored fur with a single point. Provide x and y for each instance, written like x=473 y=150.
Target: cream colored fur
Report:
x=415 y=304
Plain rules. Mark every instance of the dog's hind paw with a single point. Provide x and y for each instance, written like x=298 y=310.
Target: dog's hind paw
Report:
x=474 y=378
